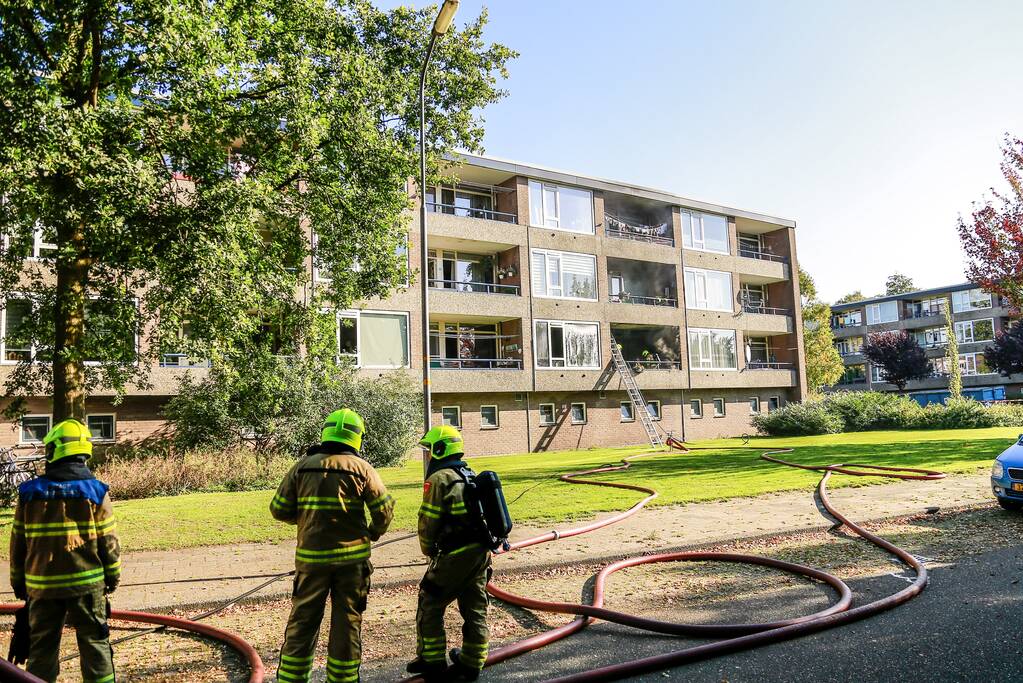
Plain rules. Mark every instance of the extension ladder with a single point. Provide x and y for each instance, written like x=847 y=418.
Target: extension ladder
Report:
x=635 y=395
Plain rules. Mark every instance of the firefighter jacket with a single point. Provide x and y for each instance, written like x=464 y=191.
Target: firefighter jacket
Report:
x=327 y=494
x=444 y=525
x=63 y=540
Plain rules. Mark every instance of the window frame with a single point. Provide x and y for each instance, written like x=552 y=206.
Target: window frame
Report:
x=15 y=296
x=554 y=414
x=752 y=410
x=647 y=408
x=972 y=324
x=560 y=254
x=356 y=314
x=710 y=333
x=632 y=411
x=696 y=414
x=719 y=401
x=776 y=400
x=571 y=413
x=562 y=323
x=21 y=428
x=497 y=416
x=113 y=420
x=458 y=412
x=693 y=214
x=880 y=321
x=971 y=299
x=693 y=291
x=544 y=186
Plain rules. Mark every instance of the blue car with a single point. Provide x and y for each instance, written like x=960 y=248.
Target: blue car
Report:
x=1007 y=477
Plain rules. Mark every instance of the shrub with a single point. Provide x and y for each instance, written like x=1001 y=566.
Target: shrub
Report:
x=799 y=419
x=139 y=475
x=963 y=413
x=862 y=411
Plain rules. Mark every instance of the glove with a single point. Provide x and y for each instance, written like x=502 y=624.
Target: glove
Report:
x=19 y=590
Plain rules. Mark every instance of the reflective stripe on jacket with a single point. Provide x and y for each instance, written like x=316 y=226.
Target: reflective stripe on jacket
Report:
x=443 y=512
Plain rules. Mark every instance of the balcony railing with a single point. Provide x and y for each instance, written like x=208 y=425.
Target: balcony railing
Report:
x=654 y=364
x=923 y=313
x=476 y=363
x=851 y=380
x=767 y=365
x=749 y=252
x=764 y=310
x=182 y=360
x=476 y=287
x=468 y=212
x=646 y=300
x=622 y=229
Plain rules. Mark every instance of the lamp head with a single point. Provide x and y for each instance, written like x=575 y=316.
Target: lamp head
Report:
x=444 y=17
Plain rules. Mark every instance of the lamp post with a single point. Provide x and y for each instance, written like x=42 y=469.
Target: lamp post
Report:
x=440 y=27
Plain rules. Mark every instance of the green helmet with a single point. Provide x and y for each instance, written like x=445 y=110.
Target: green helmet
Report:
x=69 y=437
x=344 y=426
x=443 y=441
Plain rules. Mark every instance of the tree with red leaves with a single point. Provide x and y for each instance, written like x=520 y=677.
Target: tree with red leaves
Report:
x=1006 y=354
x=899 y=356
x=993 y=237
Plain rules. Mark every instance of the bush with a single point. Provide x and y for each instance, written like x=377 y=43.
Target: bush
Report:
x=277 y=405
x=140 y=475
x=862 y=411
x=798 y=419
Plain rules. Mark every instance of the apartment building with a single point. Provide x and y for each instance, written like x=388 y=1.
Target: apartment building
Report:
x=534 y=274
x=977 y=317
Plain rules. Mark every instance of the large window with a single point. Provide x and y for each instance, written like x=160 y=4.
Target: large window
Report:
x=464 y=343
x=973 y=364
x=884 y=312
x=854 y=374
x=845 y=319
x=560 y=344
x=931 y=337
x=564 y=275
x=17 y=344
x=561 y=208
x=373 y=339
x=970 y=300
x=712 y=349
x=462 y=272
x=970 y=331
x=850 y=346
x=705 y=232
x=708 y=289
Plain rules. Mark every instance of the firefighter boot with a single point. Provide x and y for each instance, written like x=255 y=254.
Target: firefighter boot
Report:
x=459 y=671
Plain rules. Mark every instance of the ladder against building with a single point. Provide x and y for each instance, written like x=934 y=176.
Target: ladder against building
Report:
x=635 y=395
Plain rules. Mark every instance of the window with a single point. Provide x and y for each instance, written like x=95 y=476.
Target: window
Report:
x=970 y=300
x=463 y=272
x=970 y=331
x=773 y=403
x=854 y=374
x=561 y=208
x=469 y=345
x=578 y=413
x=451 y=416
x=708 y=289
x=696 y=408
x=17 y=344
x=719 y=407
x=627 y=412
x=564 y=275
x=488 y=417
x=877 y=374
x=567 y=345
x=373 y=339
x=712 y=349
x=847 y=319
x=546 y=414
x=103 y=427
x=461 y=201
x=34 y=428
x=705 y=232
x=973 y=364
x=320 y=271
x=931 y=337
x=754 y=405
x=850 y=346
x=653 y=408
x=884 y=312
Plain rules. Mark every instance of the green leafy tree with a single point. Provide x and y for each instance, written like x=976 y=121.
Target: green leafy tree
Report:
x=851 y=297
x=955 y=373
x=176 y=156
x=823 y=363
x=897 y=283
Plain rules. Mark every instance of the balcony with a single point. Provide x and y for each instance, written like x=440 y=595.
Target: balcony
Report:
x=473 y=200
x=768 y=365
x=626 y=229
x=469 y=212
x=476 y=363
x=758 y=309
x=641 y=282
x=485 y=281
x=182 y=360
x=760 y=254
x=652 y=352
x=640 y=220
x=478 y=287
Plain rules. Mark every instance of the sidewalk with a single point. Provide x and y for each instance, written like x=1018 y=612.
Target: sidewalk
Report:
x=169 y=576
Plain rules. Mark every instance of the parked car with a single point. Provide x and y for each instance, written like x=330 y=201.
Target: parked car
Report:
x=1007 y=477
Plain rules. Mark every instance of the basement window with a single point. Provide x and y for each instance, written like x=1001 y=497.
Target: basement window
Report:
x=451 y=416
x=628 y=415
x=103 y=427
x=654 y=409
x=488 y=417
x=696 y=408
x=719 y=407
x=34 y=428
x=546 y=414
x=578 y=413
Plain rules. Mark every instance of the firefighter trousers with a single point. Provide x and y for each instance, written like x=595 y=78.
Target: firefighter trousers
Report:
x=460 y=577
x=88 y=615
x=348 y=588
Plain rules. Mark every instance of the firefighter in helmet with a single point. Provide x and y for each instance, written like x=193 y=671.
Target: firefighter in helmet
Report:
x=65 y=556
x=327 y=494
x=459 y=567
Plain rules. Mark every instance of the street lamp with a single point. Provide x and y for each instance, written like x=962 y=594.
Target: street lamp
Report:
x=440 y=27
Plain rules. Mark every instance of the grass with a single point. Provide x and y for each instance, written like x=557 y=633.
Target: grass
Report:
x=729 y=470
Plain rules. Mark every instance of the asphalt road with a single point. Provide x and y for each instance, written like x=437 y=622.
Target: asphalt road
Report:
x=966 y=626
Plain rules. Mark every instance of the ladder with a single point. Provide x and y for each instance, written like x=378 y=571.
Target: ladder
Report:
x=635 y=395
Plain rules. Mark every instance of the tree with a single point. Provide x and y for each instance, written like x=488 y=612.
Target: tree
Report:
x=176 y=154
x=897 y=283
x=851 y=297
x=899 y=356
x=1006 y=354
x=823 y=363
x=993 y=237
x=955 y=372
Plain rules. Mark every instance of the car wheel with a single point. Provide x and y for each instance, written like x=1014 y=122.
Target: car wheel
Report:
x=1010 y=505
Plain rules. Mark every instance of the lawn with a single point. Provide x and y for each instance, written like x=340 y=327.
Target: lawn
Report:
x=730 y=470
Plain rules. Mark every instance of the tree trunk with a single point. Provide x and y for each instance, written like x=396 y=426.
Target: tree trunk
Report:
x=69 y=329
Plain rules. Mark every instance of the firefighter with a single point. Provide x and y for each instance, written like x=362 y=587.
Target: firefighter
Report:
x=327 y=494
x=65 y=557
x=459 y=567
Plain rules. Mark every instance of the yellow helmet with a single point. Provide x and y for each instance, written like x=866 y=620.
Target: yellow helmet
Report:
x=344 y=426
x=442 y=441
x=69 y=437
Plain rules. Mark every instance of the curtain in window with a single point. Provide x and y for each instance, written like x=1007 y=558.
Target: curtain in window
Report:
x=383 y=340
x=581 y=345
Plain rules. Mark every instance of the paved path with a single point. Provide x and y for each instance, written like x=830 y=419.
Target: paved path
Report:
x=195 y=576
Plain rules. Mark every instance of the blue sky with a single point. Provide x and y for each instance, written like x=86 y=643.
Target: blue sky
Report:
x=872 y=124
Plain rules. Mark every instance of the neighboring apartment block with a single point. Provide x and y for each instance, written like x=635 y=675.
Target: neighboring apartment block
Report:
x=977 y=317
x=533 y=275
